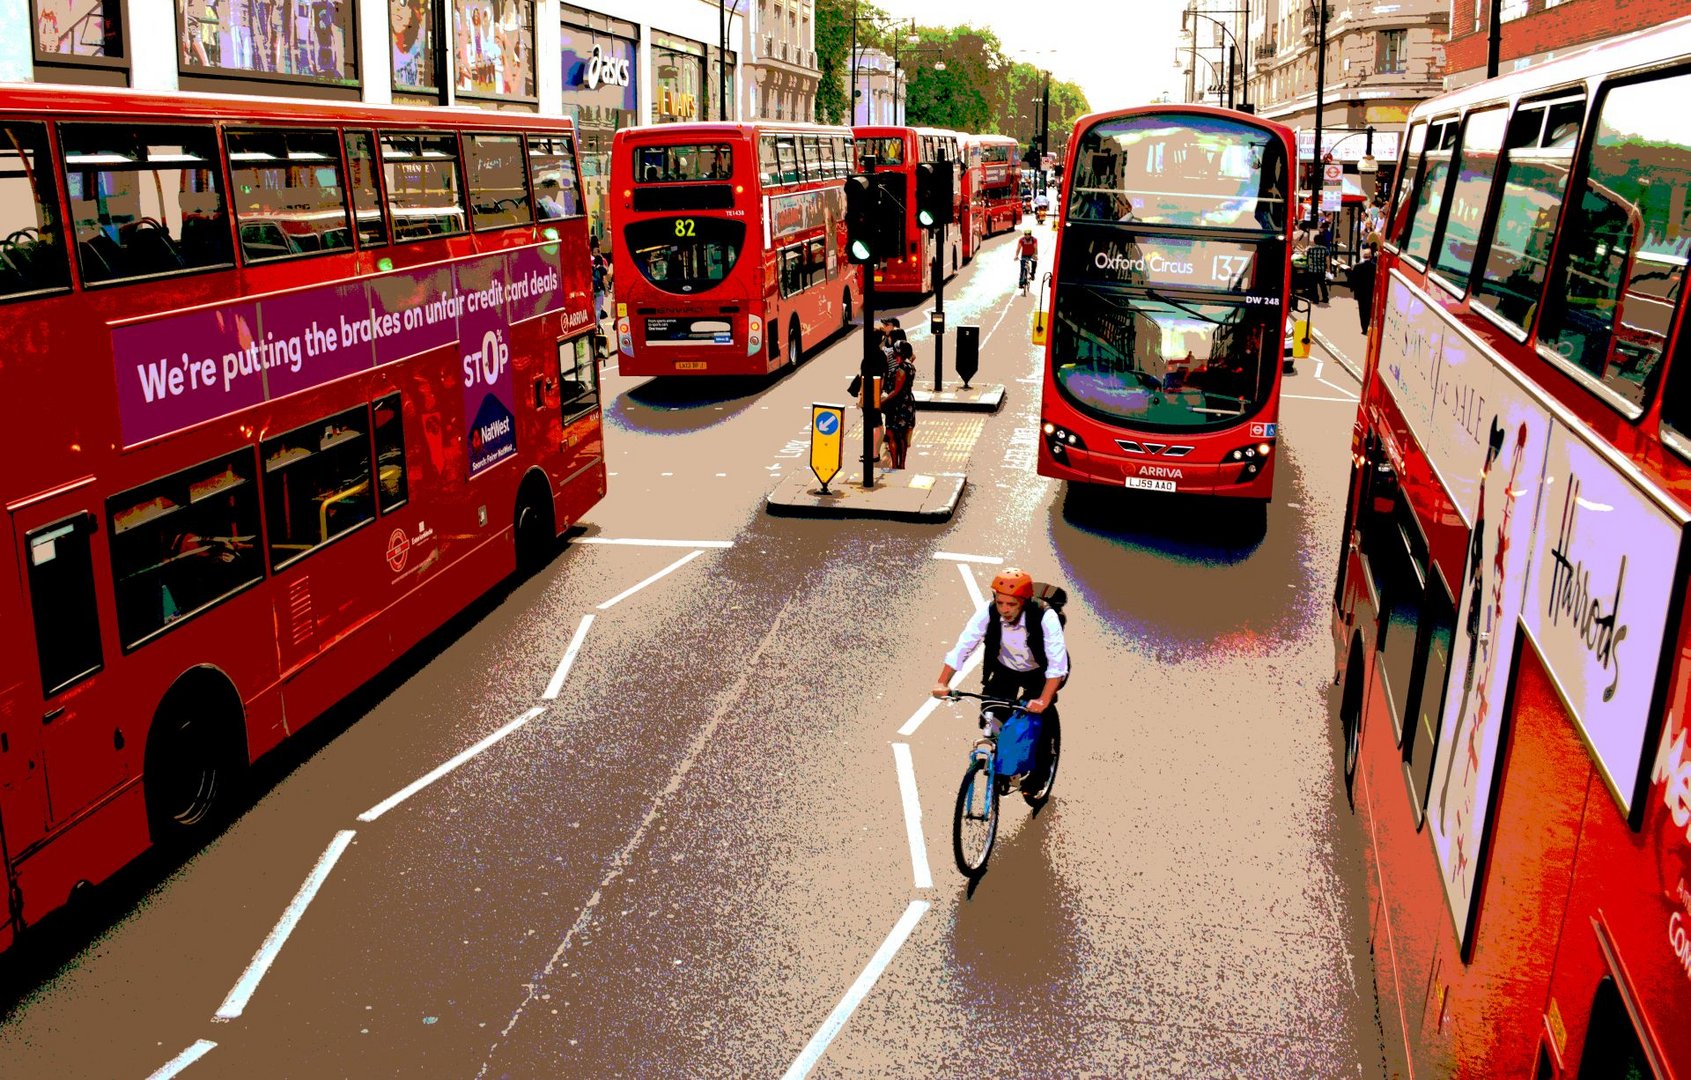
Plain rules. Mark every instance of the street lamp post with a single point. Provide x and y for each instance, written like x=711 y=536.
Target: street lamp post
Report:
x=1234 y=49
x=1320 y=93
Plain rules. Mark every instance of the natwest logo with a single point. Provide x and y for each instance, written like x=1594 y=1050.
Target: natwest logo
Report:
x=603 y=70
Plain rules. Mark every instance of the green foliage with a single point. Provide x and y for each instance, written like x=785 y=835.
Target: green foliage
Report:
x=833 y=58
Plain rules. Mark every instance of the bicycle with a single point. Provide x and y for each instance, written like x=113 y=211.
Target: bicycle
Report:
x=1027 y=274
x=974 y=824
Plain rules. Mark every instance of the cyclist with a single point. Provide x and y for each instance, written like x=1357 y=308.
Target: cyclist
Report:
x=1025 y=653
x=1028 y=249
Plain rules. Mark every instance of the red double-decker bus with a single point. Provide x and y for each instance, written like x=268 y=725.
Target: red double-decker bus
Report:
x=1509 y=609
x=897 y=152
x=998 y=189
x=288 y=385
x=731 y=255
x=1168 y=302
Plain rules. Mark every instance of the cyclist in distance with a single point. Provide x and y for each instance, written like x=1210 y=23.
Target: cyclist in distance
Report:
x=1028 y=249
x=1025 y=653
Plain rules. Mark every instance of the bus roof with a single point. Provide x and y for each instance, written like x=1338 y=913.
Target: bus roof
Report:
x=666 y=133
x=1641 y=48
x=58 y=101
x=1181 y=109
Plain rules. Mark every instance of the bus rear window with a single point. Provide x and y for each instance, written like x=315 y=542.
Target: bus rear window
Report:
x=424 y=198
x=32 y=255
x=685 y=254
x=1209 y=172
x=144 y=201
x=681 y=163
x=287 y=192
x=1625 y=242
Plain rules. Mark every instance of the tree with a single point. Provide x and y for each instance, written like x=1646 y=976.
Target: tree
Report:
x=961 y=96
x=833 y=58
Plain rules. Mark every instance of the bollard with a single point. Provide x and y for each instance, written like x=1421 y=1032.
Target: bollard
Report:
x=968 y=353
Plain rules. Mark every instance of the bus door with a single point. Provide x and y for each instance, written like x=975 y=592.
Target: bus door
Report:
x=64 y=732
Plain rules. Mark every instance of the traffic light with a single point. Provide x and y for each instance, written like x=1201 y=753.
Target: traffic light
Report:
x=861 y=219
x=1032 y=159
x=934 y=194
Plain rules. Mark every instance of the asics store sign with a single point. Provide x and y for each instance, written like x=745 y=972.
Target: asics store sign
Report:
x=602 y=70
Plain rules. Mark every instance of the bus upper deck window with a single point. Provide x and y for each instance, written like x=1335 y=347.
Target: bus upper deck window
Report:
x=551 y=170
x=32 y=255
x=424 y=194
x=287 y=192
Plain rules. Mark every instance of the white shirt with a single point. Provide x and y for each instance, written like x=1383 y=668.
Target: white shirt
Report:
x=1013 y=651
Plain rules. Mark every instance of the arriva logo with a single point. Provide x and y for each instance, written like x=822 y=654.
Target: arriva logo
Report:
x=486 y=366
x=608 y=70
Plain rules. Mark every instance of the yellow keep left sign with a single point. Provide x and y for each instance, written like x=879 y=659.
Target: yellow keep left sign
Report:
x=827 y=438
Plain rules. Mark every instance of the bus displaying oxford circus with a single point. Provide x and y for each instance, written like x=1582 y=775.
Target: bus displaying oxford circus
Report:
x=1168 y=303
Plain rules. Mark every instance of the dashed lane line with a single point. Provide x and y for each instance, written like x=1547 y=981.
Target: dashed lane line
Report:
x=991 y=560
x=970 y=584
x=661 y=574
x=417 y=785
x=183 y=1060
x=236 y=1002
x=631 y=542
x=912 y=814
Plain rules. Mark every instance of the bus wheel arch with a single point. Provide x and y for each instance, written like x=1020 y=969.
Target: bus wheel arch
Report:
x=196 y=751
x=846 y=310
x=795 y=344
x=1350 y=715
x=534 y=526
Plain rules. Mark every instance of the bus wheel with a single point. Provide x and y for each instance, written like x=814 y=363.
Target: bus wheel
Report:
x=1350 y=718
x=845 y=308
x=534 y=530
x=194 y=755
x=794 y=347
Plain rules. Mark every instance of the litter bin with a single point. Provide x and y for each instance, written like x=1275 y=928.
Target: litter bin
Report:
x=968 y=353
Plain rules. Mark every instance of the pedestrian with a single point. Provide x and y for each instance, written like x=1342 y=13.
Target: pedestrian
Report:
x=1362 y=284
x=601 y=295
x=1315 y=262
x=898 y=402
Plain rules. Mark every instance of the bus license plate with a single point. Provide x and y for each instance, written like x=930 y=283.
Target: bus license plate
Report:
x=689 y=365
x=1149 y=485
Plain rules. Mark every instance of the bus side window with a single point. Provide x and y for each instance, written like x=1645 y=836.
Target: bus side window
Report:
x=392 y=488
x=792 y=270
x=1623 y=265
x=789 y=159
x=1421 y=737
x=578 y=378
x=421 y=174
x=498 y=187
x=317 y=484
x=769 y=163
x=1517 y=249
x=1429 y=197
x=825 y=158
x=182 y=543
x=61 y=599
x=812 y=157
x=1612 y=1045
x=1407 y=175
x=1482 y=139
x=816 y=262
x=551 y=168
x=32 y=255
x=844 y=149
x=287 y=193
x=145 y=201
x=366 y=196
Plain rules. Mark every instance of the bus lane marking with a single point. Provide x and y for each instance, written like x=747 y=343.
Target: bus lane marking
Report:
x=654 y=543
x=991 y=560
x=1313 y=397
x=912 y=813
x=660 y=575
x=972 y=585
x=417 y=785
x=236 y=1002
x=818 y=1045
x=554 y=687
x=183 y=1060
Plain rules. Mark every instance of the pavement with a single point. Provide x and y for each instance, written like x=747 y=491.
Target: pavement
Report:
x=1335 y=330
x=927 y=490
x=982 y=397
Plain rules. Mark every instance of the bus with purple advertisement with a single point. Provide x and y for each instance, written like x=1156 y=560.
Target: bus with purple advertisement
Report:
x=291 y=384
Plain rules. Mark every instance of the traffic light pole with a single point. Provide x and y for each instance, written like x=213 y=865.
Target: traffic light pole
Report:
x=871 y=348
x=938 y=320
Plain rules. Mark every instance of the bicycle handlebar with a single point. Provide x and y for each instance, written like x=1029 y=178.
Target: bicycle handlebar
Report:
x=955 y=695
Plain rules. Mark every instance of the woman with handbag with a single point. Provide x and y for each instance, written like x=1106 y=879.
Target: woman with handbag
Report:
x=898 y=402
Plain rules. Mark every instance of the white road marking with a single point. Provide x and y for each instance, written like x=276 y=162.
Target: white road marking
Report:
x=818 y=1045
x=400 y=796
x=1309 y=397
x=926 y=709
x=655 y=543
x=970 y=584
x=242 y=993
x=912 y=813
x=1337 y=387
x=665 y=572
x=557 y=684
x=183 y=1060
x=952 y=555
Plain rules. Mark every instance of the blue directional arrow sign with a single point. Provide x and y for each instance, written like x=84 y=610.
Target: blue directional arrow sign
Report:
x=827 y=426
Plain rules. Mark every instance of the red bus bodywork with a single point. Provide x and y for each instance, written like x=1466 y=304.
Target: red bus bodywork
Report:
x=774 y=210
x=180 y=396
x=1132 y=249
x=1000 y=184
x=912 y=272
x=1509 y=612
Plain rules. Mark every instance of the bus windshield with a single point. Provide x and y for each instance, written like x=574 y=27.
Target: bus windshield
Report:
x=685 y=254
x=1195 y=171
x=670 y=164
x=1162 y=363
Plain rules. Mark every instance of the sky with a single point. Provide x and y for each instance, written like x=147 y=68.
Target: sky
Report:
x=1119 y=53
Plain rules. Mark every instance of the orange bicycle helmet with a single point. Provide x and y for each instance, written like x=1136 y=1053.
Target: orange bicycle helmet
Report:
x=1013 y=581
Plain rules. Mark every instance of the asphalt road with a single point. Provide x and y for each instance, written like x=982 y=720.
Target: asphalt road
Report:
x=692 y=857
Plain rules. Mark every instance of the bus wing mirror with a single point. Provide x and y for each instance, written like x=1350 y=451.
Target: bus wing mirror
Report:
x=1040 y=327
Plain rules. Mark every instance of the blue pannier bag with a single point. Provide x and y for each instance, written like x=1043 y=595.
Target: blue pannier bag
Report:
x=1016 y=742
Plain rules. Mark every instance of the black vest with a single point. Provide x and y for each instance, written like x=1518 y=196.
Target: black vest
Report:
x=1033 y=613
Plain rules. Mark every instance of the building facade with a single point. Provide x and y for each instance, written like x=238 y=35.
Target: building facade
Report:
x=1534 y=31
x=881 y=88
x=781 y=72
x=621 y=63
